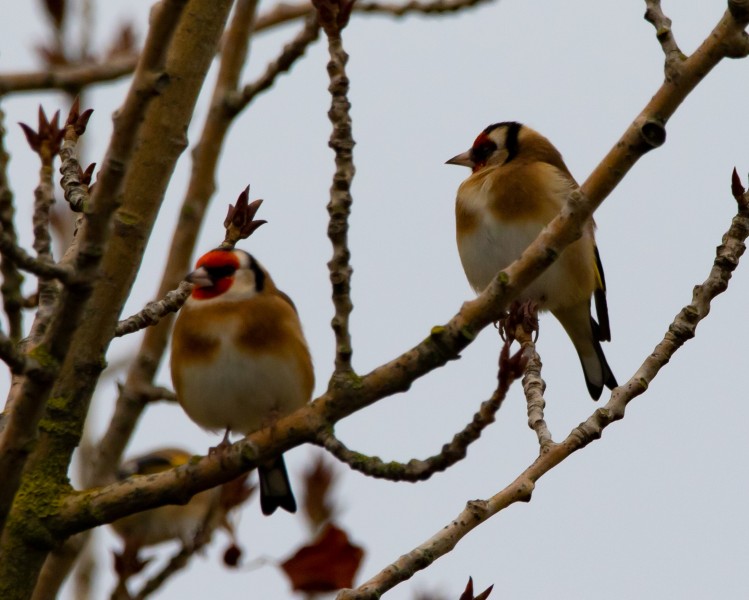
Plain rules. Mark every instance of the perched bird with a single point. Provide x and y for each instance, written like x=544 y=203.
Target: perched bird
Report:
x=239 y=357
x=518 y=185
x=183 y=522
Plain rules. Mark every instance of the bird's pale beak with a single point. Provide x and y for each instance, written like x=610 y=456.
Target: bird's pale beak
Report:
x=462 y=160
x=200 y=278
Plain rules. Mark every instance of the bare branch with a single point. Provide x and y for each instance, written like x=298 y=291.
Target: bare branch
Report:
x=12 y=278
x=282 y=12
x=333 y=16
x=45 y=142
x=94 y=507
x=68 y=77
x=674 y=56
x=26 y=262
x=155 y=311
x=534 y=386
x=11 y=356
x=647 y=131
x=73 y=77
x=295 y=49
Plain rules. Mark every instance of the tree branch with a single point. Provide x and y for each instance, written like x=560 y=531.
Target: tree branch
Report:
x=334 y=16
x=24 y=261
x=12 y=278
x=155 y=311
x=283 y=13
x=68 y=77
x=727 y=40
x=294 y=50
x=673 y=54
x=534 y=387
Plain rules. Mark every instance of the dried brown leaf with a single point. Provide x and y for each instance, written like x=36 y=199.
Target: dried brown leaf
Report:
x=325 y=566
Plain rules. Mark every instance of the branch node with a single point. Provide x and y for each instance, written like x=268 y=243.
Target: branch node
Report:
x=653 y=133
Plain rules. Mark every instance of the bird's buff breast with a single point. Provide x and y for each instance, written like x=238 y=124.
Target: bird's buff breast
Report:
x=491 y=246
x=239 y=390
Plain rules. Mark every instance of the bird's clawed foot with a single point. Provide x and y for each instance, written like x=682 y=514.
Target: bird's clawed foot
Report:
x=521 y=314
x=222 y=447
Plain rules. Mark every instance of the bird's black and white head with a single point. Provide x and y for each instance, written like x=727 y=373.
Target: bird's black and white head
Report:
x=498 y=144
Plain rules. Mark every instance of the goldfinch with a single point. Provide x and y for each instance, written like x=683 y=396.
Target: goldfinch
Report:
x=169 y=522
x=239 y=358
x=518 y=185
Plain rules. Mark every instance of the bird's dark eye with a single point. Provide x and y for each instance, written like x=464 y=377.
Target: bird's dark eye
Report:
x=217 y=273
x=481 y=152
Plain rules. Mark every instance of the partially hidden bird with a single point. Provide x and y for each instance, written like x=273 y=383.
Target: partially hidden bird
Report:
x=168 y=522
x=518 y=184
x=239 y=357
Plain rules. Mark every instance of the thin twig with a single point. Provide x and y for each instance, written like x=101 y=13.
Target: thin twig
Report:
x=68 y=77
x=294 y=50
x=46 y=143
x=154 y=311
x=77 y=76
x=24 y=261
x=283 y=12
x=510 y=368
x=12 y=277
x=334 y=16
x=674 y=57
x=533 y=387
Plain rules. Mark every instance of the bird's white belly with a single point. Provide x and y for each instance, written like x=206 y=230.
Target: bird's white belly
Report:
x=493 y=246
x=242 y=391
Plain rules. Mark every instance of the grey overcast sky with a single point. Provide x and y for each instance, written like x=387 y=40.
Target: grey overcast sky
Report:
x=657 y=507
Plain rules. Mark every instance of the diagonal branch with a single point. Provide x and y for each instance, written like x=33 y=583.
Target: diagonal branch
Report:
x=476 y=512
x=153 y=312
x=293 y=51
